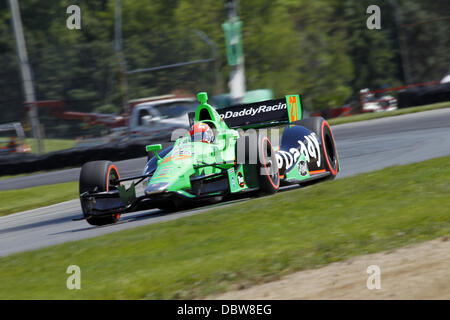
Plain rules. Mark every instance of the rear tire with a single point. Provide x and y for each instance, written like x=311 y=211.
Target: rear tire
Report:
x=269 y=176
x=322 y=129
x=98 y=176
x=260 y=169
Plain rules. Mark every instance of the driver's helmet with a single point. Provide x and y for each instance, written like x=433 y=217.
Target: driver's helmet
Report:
x=201 y=132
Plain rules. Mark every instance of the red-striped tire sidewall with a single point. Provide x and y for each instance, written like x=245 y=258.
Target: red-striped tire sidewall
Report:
x=330 y=168
x=108 y=173
x=277 y=185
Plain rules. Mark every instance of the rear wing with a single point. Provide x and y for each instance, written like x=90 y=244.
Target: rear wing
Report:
x=261 y=114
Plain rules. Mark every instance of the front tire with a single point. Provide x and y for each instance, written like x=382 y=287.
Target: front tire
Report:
x=99 y=176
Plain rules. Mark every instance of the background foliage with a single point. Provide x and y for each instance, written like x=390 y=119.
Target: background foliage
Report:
x=319 y=48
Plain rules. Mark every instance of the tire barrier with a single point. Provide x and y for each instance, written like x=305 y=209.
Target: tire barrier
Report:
x=18 y=164
x=424 y=95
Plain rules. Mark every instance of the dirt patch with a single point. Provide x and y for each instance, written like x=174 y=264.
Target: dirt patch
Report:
x=420 y=271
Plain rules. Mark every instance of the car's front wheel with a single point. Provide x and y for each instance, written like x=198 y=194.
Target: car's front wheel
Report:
x=98 y=176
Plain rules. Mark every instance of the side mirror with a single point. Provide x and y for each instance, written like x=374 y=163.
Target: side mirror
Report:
x=154 y=148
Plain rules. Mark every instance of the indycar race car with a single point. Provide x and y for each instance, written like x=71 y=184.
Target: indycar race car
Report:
x=225 y=155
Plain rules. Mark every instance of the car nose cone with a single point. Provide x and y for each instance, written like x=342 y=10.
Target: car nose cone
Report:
x=156 y=188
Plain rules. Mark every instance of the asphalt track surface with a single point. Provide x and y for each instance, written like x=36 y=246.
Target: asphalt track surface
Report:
x=362 y=147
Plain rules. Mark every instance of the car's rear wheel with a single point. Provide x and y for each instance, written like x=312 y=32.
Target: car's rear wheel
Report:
x=269 y=177
x=329 y=149
x=260 y=164
x=98 y=176
x=322 y=129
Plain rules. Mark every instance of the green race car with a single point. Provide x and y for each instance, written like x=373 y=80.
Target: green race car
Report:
x=225 y=154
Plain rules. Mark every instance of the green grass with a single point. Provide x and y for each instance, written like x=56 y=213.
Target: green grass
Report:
x=377 y=115
x=30 y=198
x=51 y=145
x=244 y=243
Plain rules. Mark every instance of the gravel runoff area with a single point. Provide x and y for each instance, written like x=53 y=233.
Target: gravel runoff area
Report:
x=420 y=271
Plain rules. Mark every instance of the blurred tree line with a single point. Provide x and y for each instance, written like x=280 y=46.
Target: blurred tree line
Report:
x=321 y=49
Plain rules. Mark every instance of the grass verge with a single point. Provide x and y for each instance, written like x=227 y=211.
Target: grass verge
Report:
x=30 y=198
x=246 y=243
x=398 y=112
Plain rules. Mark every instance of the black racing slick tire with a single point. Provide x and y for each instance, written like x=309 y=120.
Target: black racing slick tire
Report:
x=269 y=176
x=98 y=176
x=322 y=129
x=260 y=164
